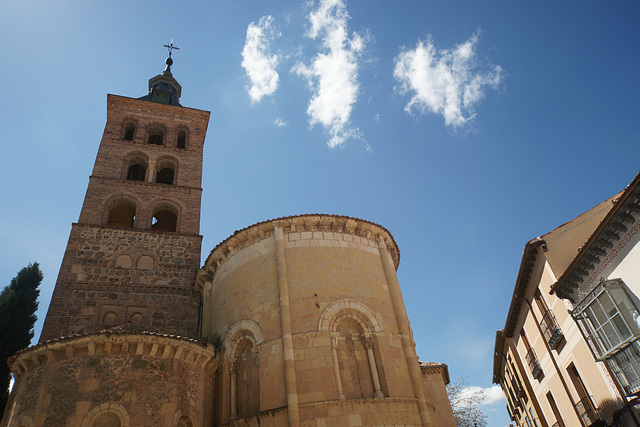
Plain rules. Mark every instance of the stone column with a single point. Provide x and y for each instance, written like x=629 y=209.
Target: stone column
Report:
x=367 y=340
x=151 y=171
x=287 y=340
x=232 y=369
x=408 y=345
x=336 y=367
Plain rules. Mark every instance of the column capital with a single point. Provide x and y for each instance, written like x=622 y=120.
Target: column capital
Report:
x=233 y=366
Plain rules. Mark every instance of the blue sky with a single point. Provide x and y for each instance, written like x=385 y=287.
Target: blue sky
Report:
x=466 y=128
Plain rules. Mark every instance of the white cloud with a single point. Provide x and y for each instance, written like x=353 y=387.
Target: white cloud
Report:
x=280 y=123
x=493 y=395
x=448 y=82
x=485 y=396
x=332 y=74
x=258 y=61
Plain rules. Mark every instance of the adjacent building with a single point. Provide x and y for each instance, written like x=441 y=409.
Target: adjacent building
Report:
x=293 y=321
x=568 y=353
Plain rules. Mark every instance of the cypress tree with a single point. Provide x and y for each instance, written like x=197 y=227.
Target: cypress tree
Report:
x=18 y=305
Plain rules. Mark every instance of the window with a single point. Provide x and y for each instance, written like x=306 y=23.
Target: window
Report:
x=610 y=320
x=248 y=379
x=533 y=417
x=608 y=317
x=122 y=215
x=129 y=131
x=625 y=365
x=156 y=137
x=584 y=407
x=550 y=329
x=136 y=172
x=531 y=358
x=166 y=168
x=182 y=139
x=164 y=220
x=165 y=176
x=526 y=418
x=556 y=411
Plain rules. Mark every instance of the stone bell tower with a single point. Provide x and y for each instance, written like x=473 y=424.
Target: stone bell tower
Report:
x=131 y=258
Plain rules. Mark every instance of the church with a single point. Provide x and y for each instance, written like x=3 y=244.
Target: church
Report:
x=294 y=321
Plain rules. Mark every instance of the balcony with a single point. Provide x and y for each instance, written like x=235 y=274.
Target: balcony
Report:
x=512 y=416
x=551 y=330
x=534 y=365
x=586 y=411
x=625 y=365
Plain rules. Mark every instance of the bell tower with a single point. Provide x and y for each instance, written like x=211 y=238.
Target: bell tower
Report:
x=132 y=256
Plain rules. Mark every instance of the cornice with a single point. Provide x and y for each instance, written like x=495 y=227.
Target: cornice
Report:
x=387 y=401
x=291 y=224
x=133 y=183
x=498 y=356
x=135 y=230
x=525 y=273
x=141 y=104
x=115 y=341
x=436 y=368
x=615 y=224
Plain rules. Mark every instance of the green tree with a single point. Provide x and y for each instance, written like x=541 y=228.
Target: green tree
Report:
x=465 y=402
x=18 y=305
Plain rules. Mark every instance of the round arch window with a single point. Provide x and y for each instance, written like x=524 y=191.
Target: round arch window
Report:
x=164 y=220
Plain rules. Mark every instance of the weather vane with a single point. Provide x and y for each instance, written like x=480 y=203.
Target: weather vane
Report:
x=170 y=46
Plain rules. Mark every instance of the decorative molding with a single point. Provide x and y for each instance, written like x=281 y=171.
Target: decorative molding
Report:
x=435 y=368
x=365 y=316
x=367 y=341
x=232 y=366
x=293 y=224
x=107 y=408
x=389 y=401
x=244 y=328
x=115 y=342
x=613 y=233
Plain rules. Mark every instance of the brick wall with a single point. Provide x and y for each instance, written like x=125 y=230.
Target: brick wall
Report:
x=119 y=273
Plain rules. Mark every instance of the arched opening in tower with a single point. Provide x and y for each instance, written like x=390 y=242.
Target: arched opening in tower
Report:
x=136 y=172
x=164 y=220
x=122 y=215
x=165 y=176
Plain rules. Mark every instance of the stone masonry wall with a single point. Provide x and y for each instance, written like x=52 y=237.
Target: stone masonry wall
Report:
x=125 y=272
x=435 y=387
x=327 y=280
x=142 y=379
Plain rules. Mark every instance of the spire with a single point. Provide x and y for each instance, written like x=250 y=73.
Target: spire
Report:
x=163 y=88
x=169 y=61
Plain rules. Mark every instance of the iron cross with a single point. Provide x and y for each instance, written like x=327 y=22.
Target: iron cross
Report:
x=170 y=46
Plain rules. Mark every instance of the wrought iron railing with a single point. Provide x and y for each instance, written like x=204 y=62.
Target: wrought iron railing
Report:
x=534 y=365
x=625 y=365
x=586 y=411
x=550 y=329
